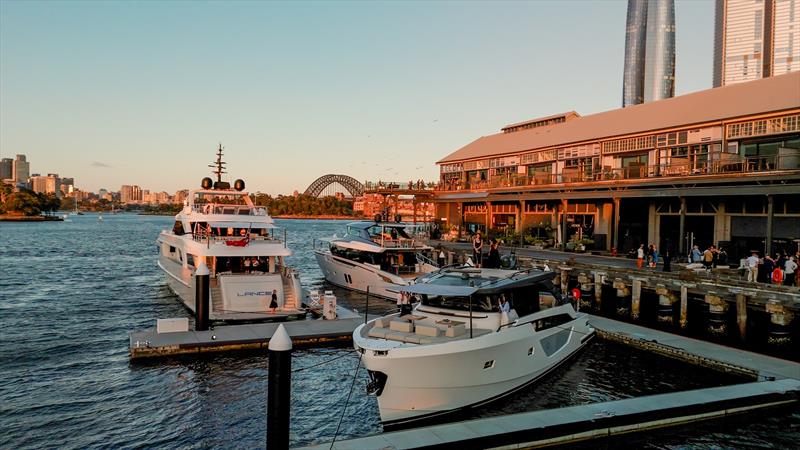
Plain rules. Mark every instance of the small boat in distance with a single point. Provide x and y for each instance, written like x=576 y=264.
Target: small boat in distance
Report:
x=382 y=256
x=477 y=335
x=239 y=243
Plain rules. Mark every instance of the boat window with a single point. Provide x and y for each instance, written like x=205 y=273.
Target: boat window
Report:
x=357 y=255
x=219 y=199
x=177 y=229
x=460 y=303
x=551 y=322
x=189 y=260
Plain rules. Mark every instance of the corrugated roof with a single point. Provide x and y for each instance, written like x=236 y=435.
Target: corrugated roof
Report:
x=742 y=99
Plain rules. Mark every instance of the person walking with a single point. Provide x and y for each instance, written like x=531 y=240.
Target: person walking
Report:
x=640 y=256
x=708 y=259
x=752 y=267
x=273 y=304
x=768 y=266
x=477 y=249
x=790 y=270
x=650 y=250
x=441 y=256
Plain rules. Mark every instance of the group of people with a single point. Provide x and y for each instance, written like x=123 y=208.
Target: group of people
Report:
x=493 y=258
x=710 y=257
x=780 y=270
x=650 y=257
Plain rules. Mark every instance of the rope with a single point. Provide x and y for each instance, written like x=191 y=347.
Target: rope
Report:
x=321 y=363
x=341 y=417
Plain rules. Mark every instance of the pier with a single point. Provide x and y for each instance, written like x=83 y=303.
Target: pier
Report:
x=776 y=383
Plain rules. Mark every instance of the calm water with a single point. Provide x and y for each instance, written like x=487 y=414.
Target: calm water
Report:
x=71 y=292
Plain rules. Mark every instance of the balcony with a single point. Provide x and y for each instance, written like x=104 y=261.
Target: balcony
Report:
x=724 y=165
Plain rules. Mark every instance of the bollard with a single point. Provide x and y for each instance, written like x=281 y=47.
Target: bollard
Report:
x=201 y=295
x=279 y=389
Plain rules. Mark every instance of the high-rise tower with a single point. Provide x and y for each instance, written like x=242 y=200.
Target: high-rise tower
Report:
x=755 y=39
x=649 y=72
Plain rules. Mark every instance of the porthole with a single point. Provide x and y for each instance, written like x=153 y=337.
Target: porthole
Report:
x=488 y=364
x=530 y=351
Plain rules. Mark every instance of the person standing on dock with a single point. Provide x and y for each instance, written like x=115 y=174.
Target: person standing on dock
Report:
x=696 y=255
x=640 y=256
x=654 y=263
x=477 y=249
x=790 y=271
x=273 y=304
x=752 y=267
x=667 y=261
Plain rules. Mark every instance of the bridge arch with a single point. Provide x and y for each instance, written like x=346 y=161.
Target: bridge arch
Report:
x=353 y=186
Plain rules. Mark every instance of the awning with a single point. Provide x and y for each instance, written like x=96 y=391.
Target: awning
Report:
x=254 y=225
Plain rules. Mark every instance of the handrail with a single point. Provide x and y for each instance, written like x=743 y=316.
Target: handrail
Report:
x=713 y=164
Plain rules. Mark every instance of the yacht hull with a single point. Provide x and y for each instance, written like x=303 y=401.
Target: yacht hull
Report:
x=357 y=276
x=430 y=380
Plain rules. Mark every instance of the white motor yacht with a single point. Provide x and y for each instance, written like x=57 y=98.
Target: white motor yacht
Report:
x=460 y=348
x=381 y=256
x=243 y=249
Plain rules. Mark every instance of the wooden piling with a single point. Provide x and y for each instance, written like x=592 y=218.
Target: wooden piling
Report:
x=598 y=289
x=684 y=305
x=741 y=315
x=636 y=298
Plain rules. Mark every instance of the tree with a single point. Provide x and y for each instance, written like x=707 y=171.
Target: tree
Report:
x=23 y=202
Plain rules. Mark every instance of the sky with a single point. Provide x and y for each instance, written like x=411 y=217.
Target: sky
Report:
x=115 y=93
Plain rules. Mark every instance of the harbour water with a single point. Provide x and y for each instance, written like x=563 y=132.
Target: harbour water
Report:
x=71 y=292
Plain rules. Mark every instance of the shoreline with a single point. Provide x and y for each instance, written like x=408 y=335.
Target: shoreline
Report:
x=8 y=218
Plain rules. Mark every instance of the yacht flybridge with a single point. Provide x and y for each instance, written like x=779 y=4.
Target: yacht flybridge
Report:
x=475 y=336
x=382 y=256
x=243 y=249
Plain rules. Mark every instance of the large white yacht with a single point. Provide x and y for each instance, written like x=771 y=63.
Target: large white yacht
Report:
x=243 y=249
x=382 y=256
x=460 y=348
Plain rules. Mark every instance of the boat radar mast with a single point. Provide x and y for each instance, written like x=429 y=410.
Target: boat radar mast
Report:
x=219 y=166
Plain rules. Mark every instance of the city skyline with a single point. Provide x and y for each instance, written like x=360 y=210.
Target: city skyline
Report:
x=316 y=88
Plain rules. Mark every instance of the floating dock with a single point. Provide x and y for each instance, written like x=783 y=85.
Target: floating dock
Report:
x=778 y=384
x=304 y=333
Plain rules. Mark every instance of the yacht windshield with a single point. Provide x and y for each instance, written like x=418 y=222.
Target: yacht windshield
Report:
x=219 y=199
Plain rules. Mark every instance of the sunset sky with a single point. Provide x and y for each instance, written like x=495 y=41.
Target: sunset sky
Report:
x=114 y=93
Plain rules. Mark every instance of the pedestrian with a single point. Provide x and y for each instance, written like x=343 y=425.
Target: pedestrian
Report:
x=493 y=261
x=654 y=264
x=246 y=264
x=722 y=259
x=768 y=266
x=441 y=256
x=714 y=257
x=274 y=301
x=650 y=250
x=640 y=256
x=752 y=267
x=254 y=265
x=667 y=261
x=696 y=255
x=405 y=304
x=477 y=249
x=708 y=259
x=790 y=270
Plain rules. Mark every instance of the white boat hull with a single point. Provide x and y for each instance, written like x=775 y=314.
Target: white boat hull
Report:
x=358 y=276
x=434 y=379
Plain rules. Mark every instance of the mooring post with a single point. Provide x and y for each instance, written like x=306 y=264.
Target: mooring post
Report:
x=717 y=307
x=780 y=319
x=665 y=300
x=684 y=305
x=279 y=389
x=201 y=296
x=636 y=298
x=598 y=289
x=741 y=315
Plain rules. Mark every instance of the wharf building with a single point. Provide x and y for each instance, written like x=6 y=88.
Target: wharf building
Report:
x=755 y=39
x=720 y=166
x=649 y=67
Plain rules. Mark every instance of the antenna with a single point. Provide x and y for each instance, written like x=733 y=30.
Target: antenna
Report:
x=219 y=165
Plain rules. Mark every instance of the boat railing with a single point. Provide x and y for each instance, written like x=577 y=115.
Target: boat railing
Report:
x=276 y=235
x=424 y=259
x=235 y=210
x=397 y=242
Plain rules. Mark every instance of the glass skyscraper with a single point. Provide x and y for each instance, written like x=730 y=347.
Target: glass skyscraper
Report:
x=755 y=39
x=649 y=72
